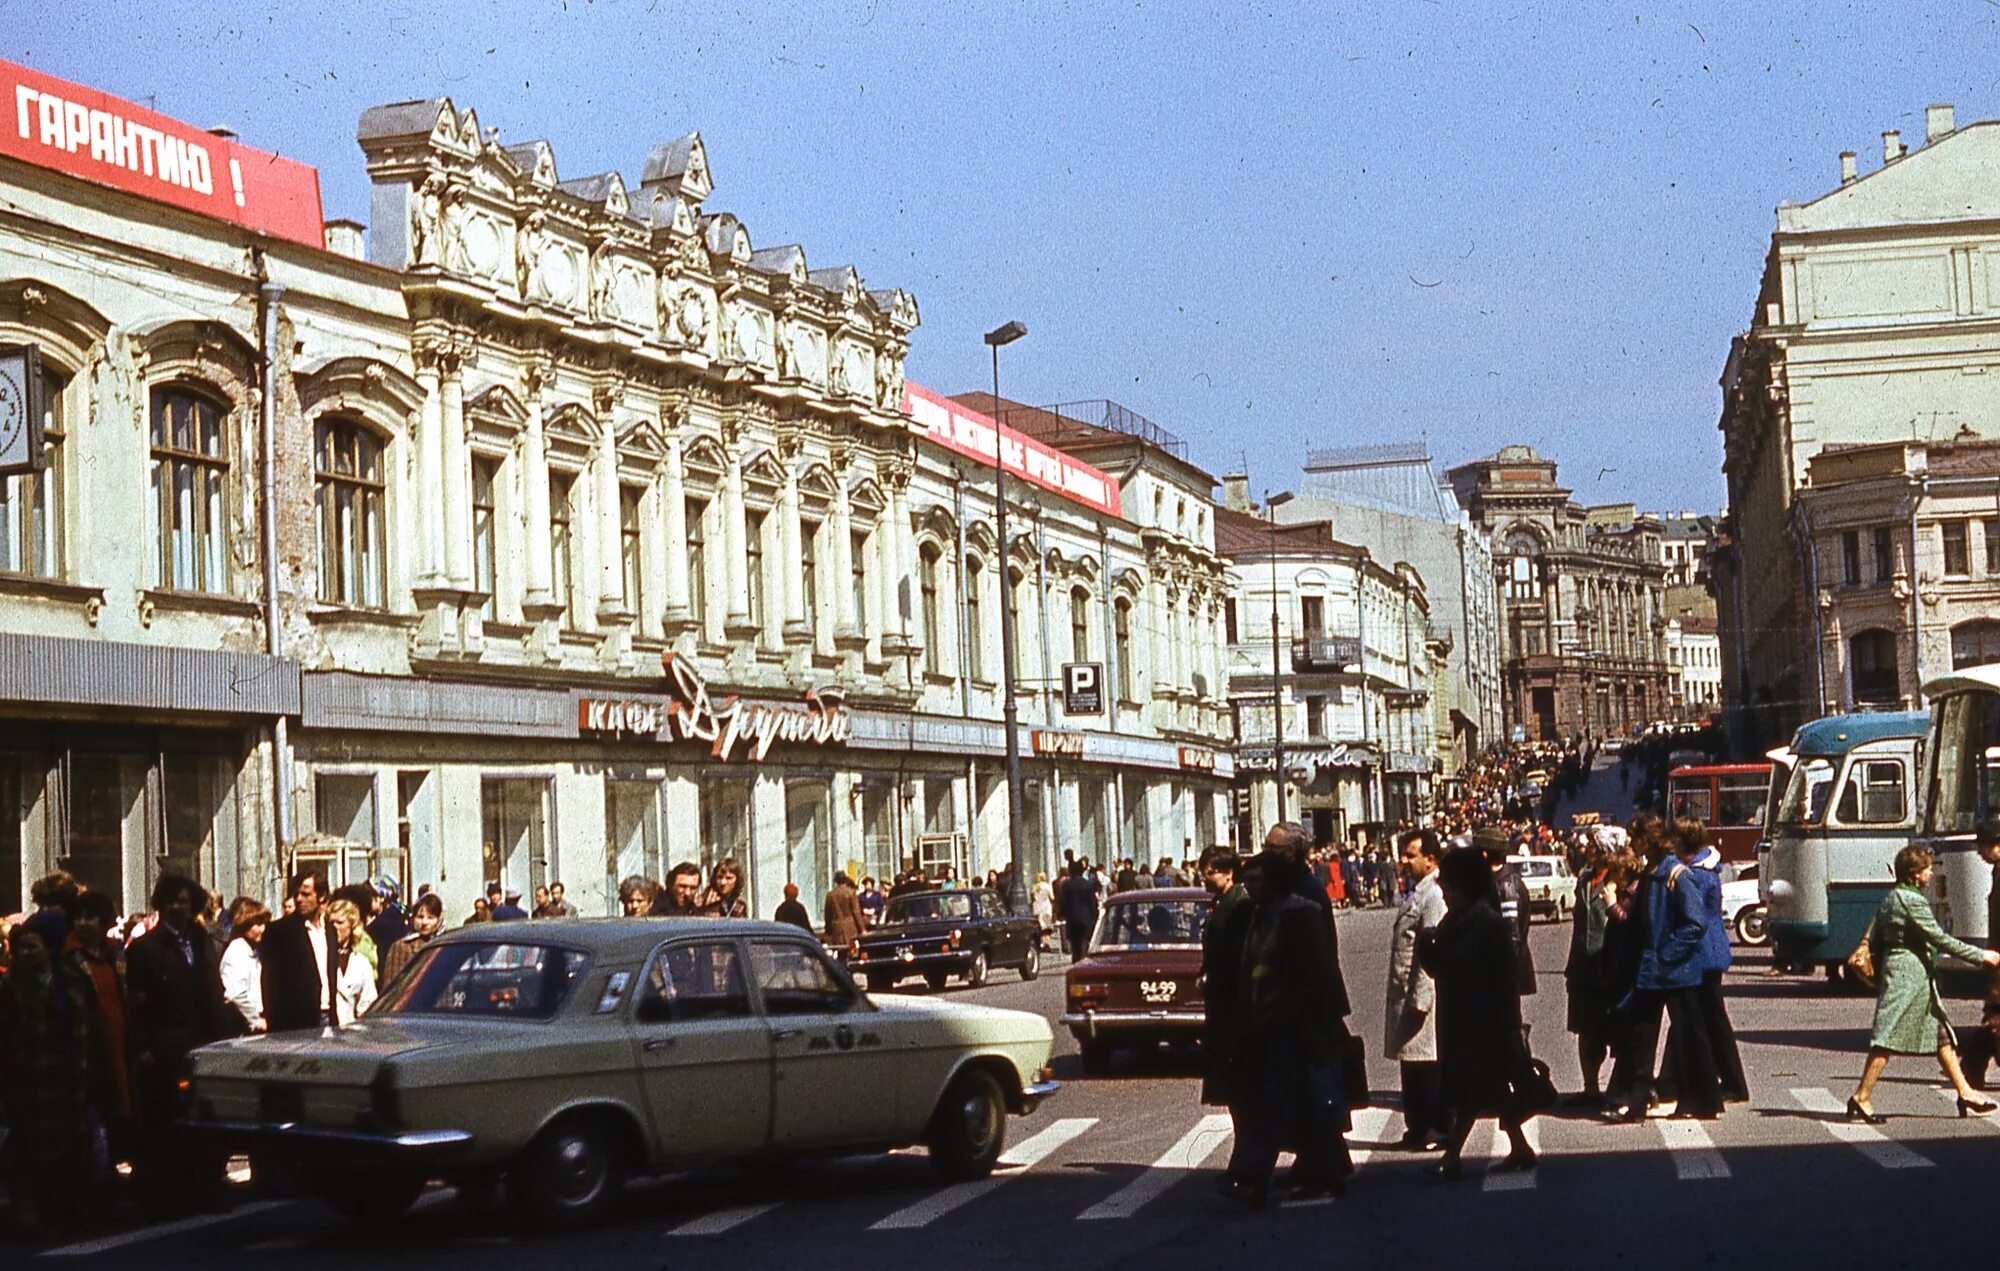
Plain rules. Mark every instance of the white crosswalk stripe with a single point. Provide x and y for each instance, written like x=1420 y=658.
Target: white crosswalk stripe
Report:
x=1496 y=1151
x=1693 y=1151
x=1209 y=1136
x=1020 y=1158
x=1370 y=1124
x=722 y=1220
x=1869 y=1141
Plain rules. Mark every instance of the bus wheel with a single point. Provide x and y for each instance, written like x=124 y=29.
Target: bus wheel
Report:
x=1753 y=927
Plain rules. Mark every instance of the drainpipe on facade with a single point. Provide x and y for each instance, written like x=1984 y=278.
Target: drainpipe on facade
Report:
x=269 y=294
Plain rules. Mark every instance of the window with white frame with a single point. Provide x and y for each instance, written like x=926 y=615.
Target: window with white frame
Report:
x=31 y=503
x=190 y=479
x=350 y=494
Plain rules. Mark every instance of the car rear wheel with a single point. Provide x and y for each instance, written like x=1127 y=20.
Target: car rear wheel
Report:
x=370 y=1199
x=1753 y=926
x=571 y=1174
x=976 y=973
x=969 y=1128
x=1031 y=966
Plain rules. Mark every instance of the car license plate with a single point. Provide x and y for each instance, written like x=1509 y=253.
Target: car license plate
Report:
x=1158 y=992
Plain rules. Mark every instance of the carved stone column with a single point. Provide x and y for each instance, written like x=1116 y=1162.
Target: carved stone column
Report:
x=539 y=602
x=797 y=627
x=612 y=602
x=679 y=610
x=457 y=474
x=894 y=556
x=431 y=574
x=848 y=633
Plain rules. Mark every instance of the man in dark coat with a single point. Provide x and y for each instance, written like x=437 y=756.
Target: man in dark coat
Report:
x=1511 y=894
x=1077 y=902
x=1221 y=965
x=174 y=1005
x=1289 y=1040
x=296 y=957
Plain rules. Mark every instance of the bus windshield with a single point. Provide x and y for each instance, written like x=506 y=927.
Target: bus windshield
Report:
x=1806 y=795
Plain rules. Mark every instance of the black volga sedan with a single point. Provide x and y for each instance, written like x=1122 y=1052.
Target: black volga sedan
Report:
x=941 y=933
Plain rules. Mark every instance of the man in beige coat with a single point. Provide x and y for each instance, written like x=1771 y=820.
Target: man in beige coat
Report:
x=843 y=913
x=1410 y=1031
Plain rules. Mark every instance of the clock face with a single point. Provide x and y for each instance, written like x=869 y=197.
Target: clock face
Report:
x=13 y=414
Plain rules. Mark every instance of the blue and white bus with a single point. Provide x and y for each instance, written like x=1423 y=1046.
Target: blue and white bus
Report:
x=1848 y=808
x=1961 y=788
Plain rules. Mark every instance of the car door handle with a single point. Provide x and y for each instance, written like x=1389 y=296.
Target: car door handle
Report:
x=658 y=1043
x=783 y=1034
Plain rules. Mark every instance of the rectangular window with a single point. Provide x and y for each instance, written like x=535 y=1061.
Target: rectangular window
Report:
x=1079 y=625
x=485 y=533
x=1229 y=620
x=1850 y=558
x=1121 y=631
x=753 y=542
x=1315 y=716
x=1957 y=553
x=975 y=622
x=631 y=549
x=344 y=806
x=632 y=824
x=562 y=545
x=31 y=503
x=927 y=581
x=1992 y=547
x=190 y=492
x=349 y=492
x=514 y=824
x=860 y=582
x=1312 y=615
x=1885 y=554
x=809 y=573
x=697 y=555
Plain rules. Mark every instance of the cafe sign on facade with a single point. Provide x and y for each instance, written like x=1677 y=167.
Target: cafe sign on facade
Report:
x=728 y=726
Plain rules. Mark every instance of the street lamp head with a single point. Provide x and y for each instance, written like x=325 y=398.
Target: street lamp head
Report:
x=1007 y=334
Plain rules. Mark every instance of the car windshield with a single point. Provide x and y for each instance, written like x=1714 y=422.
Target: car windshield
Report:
x=930 y=906
x=519 y=981
x=1160 y=924
x=1805 y=795
x=1536 y=869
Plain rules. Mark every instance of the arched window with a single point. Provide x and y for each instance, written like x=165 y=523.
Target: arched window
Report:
x=1079 y=625
x=1121 y=632
x=1871 y=668
x=975 y=621
x=31 y=503
x=1975 y=644
x=190 y=490
x=349 y=494
x=927 y=578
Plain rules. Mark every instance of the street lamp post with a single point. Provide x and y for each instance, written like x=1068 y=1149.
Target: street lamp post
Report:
x=1277 y=682
x=1017 y=890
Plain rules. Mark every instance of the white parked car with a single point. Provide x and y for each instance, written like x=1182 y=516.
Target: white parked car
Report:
x=1743 y=909
x=1551 y=887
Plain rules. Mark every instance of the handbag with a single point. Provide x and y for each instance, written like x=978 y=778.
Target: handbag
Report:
x=1860 y=964
x=1354 y=1070
x=1534 y=1089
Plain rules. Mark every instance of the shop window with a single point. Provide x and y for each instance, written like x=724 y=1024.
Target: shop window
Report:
x=725 y=825
x=697 y=558
x=809 y=851
x=198 y=822
x=485 y=533
x=349 y=493
x=190 y=461
x=878 y=829
x=414 y=832
x=514 y=825
x=632 y=831
x=563 y=545
x=103 y=796
x=1872 y=669
x=31 y=503
x=631 y=549
x=1138 y=842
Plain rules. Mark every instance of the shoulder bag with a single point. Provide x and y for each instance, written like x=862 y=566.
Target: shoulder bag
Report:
x=1860 y=964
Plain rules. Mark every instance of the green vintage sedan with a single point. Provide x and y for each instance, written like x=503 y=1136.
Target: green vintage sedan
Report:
x=568 y=1055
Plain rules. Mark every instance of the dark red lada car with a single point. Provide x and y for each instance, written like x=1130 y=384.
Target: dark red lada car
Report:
x=1141 y=983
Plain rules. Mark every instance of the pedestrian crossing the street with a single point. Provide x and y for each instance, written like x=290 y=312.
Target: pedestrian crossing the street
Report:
x=1497 y=1148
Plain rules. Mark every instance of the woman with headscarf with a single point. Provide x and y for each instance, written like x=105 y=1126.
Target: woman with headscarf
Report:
x=50 y=1066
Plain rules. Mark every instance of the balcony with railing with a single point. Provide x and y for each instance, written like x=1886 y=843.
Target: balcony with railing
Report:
x=1326 y=654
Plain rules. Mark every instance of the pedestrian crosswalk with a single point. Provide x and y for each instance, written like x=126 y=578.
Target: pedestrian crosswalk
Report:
x=1869 y=1140
x=1016 y=1162
x=1209 y=1137
x=1692 y=1150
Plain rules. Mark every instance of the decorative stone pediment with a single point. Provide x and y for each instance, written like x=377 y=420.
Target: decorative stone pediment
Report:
x=680 y=167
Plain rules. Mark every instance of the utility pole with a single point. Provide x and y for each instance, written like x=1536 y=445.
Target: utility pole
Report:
x=1017 y=890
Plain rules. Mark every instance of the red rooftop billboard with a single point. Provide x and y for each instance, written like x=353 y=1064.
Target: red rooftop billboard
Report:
x=967 y=432
x=98 y=138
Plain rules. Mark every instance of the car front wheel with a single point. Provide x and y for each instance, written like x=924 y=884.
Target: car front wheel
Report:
x=572 y=1172
x=1753 y=927
x=1031 y=966
x=969 y=1128
x=975 y=974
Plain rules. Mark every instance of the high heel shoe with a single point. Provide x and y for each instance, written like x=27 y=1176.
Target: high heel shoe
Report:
x=1855 y=1112
x=1974 y=1107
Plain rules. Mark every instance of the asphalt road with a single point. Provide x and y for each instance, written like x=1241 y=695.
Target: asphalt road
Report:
x=1121 y=1167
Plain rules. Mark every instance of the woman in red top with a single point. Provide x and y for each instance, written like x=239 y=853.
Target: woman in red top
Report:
x=99 y=958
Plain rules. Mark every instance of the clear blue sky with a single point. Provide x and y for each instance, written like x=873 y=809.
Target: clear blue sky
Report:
x=1266 y=227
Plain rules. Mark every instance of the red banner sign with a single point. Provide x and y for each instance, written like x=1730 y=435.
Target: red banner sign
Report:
x=94 y=136
x=969 y=433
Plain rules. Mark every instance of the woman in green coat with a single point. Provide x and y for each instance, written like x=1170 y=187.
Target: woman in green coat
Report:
x=1909 y=1018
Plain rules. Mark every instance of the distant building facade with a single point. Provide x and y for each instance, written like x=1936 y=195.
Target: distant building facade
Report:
x=1694 y=659
x=1873 y=323
x=1582 y=595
